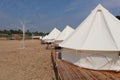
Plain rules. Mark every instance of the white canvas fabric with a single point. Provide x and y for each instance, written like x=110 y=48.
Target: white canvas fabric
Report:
x=53 y=35
x=99 y=32
x=93 y=60
x=67 y=31
x=45 y=37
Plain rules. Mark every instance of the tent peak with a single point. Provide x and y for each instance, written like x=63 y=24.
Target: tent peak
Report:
x=99 y=7
x=99 y=4
x=56 y=29
x=67 y=26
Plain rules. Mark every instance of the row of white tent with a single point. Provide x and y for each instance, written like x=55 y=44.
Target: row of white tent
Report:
x=95 y=43
x=56 y=35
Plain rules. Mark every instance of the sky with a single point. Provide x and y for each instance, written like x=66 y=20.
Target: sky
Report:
x=44 y=15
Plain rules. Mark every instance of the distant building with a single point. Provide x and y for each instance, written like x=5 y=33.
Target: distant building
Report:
x=37 y=37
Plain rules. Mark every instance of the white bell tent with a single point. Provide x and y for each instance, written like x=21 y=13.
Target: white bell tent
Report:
x=95 y=44
x=45 y=37
x=67 y=31
x=53 y=35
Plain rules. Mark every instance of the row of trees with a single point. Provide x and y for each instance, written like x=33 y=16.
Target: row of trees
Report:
x=10 y=32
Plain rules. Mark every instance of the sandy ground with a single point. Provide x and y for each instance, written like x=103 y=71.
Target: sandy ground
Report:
x=32 y=63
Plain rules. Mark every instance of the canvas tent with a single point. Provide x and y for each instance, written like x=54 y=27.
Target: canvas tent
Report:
x=53 y=35
x=67 y=31
x=95 y=44
x=45 y=37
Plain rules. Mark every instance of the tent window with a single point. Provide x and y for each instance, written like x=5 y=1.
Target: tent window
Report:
x=119 y=53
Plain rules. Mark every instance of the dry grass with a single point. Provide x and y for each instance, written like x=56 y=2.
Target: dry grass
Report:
x=33 y=63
